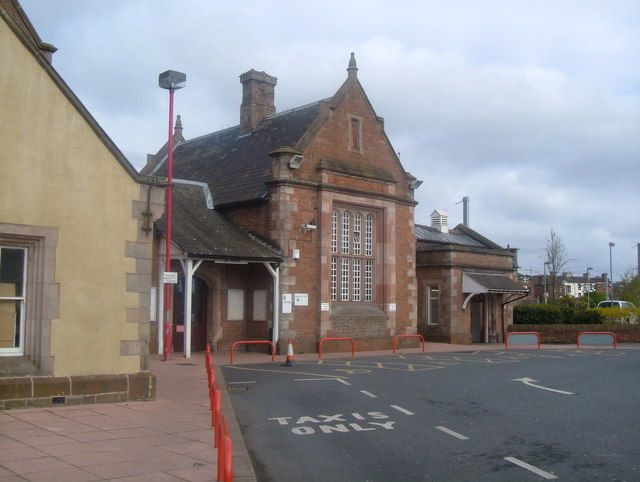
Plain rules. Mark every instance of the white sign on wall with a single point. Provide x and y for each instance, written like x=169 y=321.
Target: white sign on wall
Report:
x=301 y=299
x=286 y=303
x=392 y=307
x=324 y=306
x=170 y=277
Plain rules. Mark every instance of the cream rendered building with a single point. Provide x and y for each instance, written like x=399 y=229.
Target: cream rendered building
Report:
x=75 y=242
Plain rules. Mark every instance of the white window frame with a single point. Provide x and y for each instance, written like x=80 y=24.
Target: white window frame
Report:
x=19 y=350
x=429 y=298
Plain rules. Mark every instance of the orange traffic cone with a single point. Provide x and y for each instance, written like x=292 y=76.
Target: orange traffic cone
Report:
x=289 y=362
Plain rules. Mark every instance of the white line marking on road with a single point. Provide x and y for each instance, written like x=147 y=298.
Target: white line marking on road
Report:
x=285 y=372
x=344 y=382
x=411 y=368
x=368 y=394
x=379 y=365
x=311 y=379
x=348 y=363
x=475 y=352
x=239 y=383
x=531 y=468
x=529 y=382
x=452 y=433
x=402 y=410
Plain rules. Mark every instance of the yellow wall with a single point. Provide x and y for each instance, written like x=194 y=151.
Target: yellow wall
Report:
x=55 y=172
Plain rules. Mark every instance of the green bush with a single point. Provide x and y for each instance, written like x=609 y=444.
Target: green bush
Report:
x=625 y=316
x=589 y=317
x=537 y=315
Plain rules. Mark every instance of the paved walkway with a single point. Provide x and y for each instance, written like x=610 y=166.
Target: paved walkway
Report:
x=169 y=439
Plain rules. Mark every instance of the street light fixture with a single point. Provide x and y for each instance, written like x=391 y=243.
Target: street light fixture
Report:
x=588 y=286
x=171 y=81
x=610 y=290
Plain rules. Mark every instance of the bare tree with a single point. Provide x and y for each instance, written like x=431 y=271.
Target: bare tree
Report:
x=556 y=257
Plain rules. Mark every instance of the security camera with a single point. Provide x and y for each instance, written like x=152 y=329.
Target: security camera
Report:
x=296 y=161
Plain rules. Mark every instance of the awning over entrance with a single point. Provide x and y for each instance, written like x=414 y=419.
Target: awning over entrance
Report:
x=477 y=283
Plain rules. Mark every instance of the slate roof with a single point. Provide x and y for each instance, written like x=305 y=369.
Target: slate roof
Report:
x=204 y=233
x=454 y=236
x=235 y=165
x=495 y=283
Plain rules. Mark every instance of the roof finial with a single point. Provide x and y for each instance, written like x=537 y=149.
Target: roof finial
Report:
x=353 y=68
x=177 y=131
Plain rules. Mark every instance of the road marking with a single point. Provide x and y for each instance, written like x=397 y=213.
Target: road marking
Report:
x=402 y=410
x=452 y=433
x=344 y=382
x=411 y=368
x=529 y=382
x=239 y=383
x=379 y=365
x=531 y=468
x=312 y=379
x=285 y=372
x=368 y=394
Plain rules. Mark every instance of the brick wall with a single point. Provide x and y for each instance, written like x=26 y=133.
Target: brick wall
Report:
x=569 y=333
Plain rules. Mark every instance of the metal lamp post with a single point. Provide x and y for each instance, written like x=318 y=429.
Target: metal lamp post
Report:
x=171 y=81
x=610 y=290
x=588 y=286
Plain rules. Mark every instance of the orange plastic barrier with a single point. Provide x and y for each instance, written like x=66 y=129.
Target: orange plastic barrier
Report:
x=396 y=341
x=225 y=452
x=253 y=342
x=353 y=345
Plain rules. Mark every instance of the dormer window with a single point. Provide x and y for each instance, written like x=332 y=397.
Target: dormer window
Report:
x=355 y=133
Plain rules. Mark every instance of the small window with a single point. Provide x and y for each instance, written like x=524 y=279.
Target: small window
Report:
x=433 y=295
x=235 y=305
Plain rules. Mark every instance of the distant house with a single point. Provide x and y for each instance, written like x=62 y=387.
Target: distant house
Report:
x=466 y=284
x=566 y=285
x=309 y=228
x=75 y=242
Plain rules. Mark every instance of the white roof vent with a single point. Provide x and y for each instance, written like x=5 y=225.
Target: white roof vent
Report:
x=439 y=220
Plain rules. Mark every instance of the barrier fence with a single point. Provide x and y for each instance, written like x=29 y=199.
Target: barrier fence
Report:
x=253 y=342
x=522 y=338
x=396 y=341
x=222 y=437
x=595 y=338
x=323 y=340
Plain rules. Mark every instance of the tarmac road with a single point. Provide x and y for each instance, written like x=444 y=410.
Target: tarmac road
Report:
x=516 y=415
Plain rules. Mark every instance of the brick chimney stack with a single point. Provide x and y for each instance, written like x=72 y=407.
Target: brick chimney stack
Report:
x=257 y=98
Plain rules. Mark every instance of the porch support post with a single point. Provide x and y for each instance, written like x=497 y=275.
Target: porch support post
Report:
x=275 y=273
x=188 y=269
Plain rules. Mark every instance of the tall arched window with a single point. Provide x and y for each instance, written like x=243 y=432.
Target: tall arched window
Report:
x=353 y=255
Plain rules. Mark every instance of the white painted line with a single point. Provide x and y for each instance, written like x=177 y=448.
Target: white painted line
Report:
x=311 y=379
x=368 y=394
x=531 y=468
x=239 y=383
x=344 y=382
x=402 y=410
x=529 y=382
x=452 y=433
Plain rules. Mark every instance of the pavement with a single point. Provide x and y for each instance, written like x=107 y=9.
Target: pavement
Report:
x=169 y=439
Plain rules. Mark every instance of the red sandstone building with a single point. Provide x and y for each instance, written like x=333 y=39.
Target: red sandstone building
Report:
x=466 y=284
x=296 y=224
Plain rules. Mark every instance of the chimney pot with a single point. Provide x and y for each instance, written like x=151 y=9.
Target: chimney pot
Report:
x=257 y=98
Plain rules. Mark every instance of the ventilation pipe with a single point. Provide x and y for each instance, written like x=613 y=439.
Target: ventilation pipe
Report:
x=465 y=211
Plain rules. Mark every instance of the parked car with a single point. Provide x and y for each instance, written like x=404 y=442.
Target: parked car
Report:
x=615 y=304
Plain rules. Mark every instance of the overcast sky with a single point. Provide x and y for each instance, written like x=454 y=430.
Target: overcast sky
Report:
x=532 y=109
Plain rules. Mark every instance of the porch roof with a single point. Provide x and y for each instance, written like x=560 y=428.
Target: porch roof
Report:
x=490 y=283
x=204 y=233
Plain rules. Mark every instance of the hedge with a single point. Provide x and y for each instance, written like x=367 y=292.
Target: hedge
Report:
x=559 y=314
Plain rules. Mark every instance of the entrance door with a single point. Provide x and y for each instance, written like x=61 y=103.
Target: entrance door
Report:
x=477 y=325
x=199 y=306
